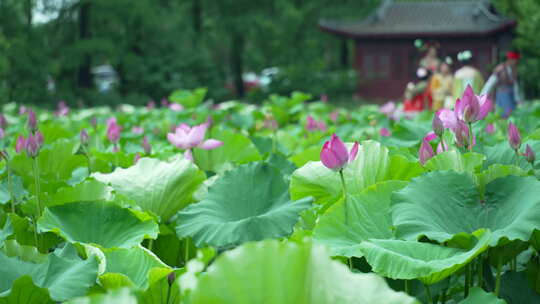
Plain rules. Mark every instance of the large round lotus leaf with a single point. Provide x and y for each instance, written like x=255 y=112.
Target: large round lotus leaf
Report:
x=63 y=274
x=156 y=186
x=24 y=291
x=119 y=296
x=478 y=296
x=406 y=260
x=249 y=203
x=454 y=160
x=89 y=190
x=372 y=164
x=102 y=223
x=442 y=204
x=365 y=216
x=276 y=272
x=135 y=263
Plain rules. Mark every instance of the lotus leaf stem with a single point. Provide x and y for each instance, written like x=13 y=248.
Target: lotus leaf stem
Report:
x=428 y=294
x=10 y=187
x=467 y=280
x=498 y=279
x=470 y=137
x=406 y=283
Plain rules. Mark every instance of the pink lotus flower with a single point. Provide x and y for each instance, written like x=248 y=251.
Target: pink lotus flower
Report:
x=472 y=108
x=176 y=107
x=490 y=128
x=164 y=102
x=33 y=144
x=430 y=136
x=313 y=125
x=84 y=138
x=448 y=118
x=21 y=144
x=334 y=154
x=63 y=109
x=462 y=135
x=32 y=121
x=388 y=108
x=186 y=137
x=2 y=133
x=113 y=131
x=514 y=138
x=384 y=132
x=425 y=152
x=137 y=130
x=529 y=154
x=334 y=115
x=437 y=125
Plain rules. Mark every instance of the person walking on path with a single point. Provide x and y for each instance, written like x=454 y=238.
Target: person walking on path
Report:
x=466 y=75
x=505 y=82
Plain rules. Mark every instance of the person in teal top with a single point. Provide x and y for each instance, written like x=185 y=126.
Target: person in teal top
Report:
x=466 y=75
x=504 y=80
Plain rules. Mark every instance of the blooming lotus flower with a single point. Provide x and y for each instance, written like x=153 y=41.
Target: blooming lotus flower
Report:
x=313 y=125
x=514 y=138
x=425 y=152
x=472 y=108
x=388 y=108
x=3 y=121
x=529 y=154
x=176 y=107
x=384 y=132
x=113 y=131
x=186 y=137
x=33 y=144
x=21 y=144
x=146 y=146
x=334 y=154
x=32 y=121
x=490 y=128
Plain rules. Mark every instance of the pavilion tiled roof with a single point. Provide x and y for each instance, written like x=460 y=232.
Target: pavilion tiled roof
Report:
x=423 y=18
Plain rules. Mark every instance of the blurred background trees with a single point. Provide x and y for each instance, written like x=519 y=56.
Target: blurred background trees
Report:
x=157 y=46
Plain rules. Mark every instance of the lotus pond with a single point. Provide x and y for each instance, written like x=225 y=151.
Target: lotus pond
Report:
x=288 y=201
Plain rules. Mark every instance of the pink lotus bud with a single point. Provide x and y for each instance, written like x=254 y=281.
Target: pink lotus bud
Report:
x=63 y=109
x=3 y=121
x=2 y=133
x=437 y=125
x=514 y=138
x=176 y=107
x=529 y=154
x=334 y=154
x=468 y=107
x=21 y=144
x=164 y=102
x=39 y=138
x=425 y=152
x=32 y=146
x=490 y=128
x=84 y=137
x=485 y=106
x=430 y=136
x=171 y=278
x=448 y=119
x=311 y=124
x=334 y=115
x=32 y=121
x=322 y=126
x=113 y=132
x=384 y=132
x=146 y=146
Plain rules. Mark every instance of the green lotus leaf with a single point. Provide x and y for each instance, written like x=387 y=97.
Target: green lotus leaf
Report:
x=63 y=274
x=118 y=296
x=102 y=223
x=365 y=216
x=17 y=189
x=160 y=187
x=279 y=272
x=503 y=154
x=430 y=263
x=89 y=190
x=441 y=204
x=6 y=231
x=24 y=291
x=478 y=296
x=161 y=292
x=26 y=253
x=372 y=164
x=135 y=263
x=249 y=203
x=454 y=160
x=236 y=149
x=497 y=171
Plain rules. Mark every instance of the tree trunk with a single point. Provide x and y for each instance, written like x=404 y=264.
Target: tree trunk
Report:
x=237 y=63
x=344 y=53
x=85 y=76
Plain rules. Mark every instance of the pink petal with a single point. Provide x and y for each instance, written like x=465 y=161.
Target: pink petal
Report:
x=354 y=152
x=210 y=144
x=329 y=158
x=338 y=147
x=486 y=105
x=184 y=127
x=178 y=141
x=448 y=119
x=430 y=136
x=196 y=135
